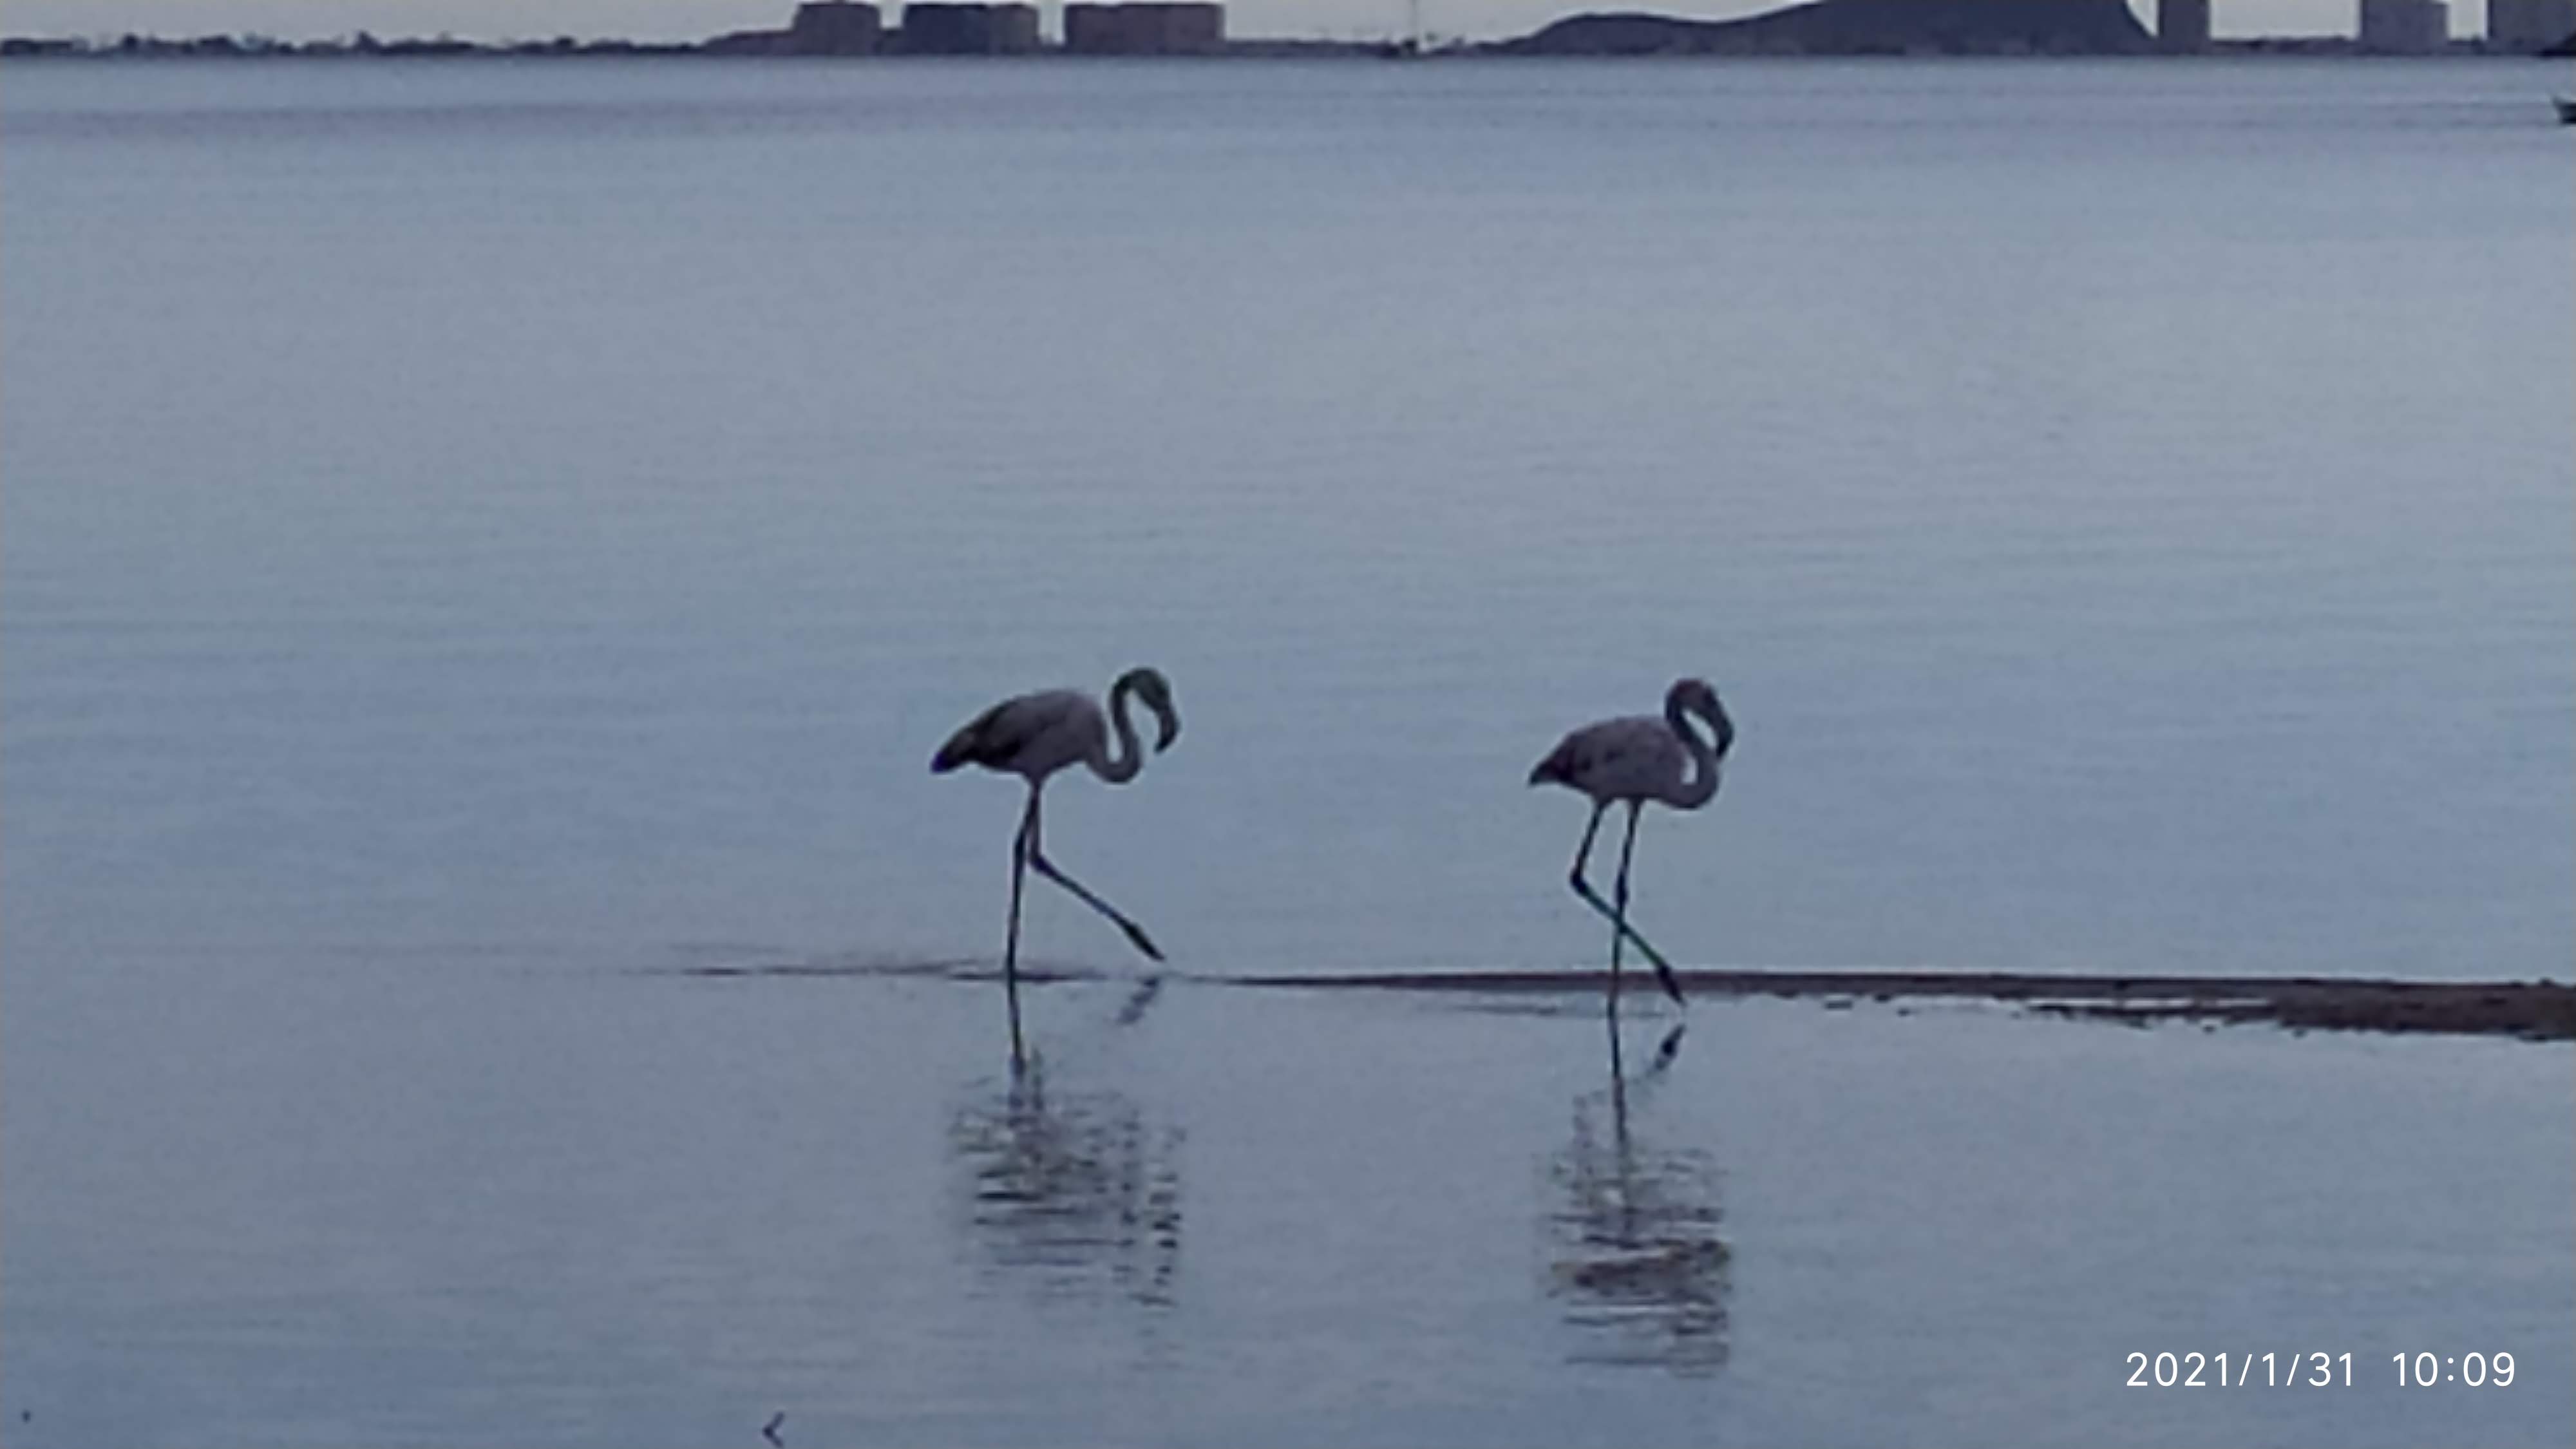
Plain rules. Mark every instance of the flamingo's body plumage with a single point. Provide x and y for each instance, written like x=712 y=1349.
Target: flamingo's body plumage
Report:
x=1035 y=735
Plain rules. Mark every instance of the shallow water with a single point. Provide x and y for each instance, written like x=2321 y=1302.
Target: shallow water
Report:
x=501 y=1205
x=483 y=543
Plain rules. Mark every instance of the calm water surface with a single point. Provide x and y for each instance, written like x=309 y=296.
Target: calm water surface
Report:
x=482 y=542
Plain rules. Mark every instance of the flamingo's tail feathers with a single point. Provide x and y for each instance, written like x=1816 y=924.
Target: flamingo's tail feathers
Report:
x=978 y=743
x=1556 y=769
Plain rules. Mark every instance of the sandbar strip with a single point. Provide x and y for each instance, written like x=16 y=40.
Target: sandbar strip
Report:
x=2532 y=1010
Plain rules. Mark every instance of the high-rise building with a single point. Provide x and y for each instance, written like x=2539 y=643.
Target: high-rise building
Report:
x=2529 y=24
x=834 y=27
x=2182 y=26
x=1144 y=29
x=2404 y=27
x=969 y=29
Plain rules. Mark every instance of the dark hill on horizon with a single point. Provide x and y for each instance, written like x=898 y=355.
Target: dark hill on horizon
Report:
x=1856 y=27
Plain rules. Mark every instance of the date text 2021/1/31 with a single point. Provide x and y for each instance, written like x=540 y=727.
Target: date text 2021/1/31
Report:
x=2311 y=1370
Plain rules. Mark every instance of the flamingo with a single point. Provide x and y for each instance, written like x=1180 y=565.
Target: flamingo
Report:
x=1634 y=759
x=1035 y=735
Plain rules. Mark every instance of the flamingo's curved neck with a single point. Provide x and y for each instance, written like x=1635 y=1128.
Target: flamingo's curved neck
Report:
x=1701 y=787
x=1120 y=767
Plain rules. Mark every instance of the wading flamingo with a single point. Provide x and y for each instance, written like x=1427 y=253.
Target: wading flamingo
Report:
x=1637 y=758
x=1035 y=735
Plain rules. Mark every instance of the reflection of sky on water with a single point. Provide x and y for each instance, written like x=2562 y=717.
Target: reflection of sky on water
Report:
x=1637 y=1261
x=1073 y=1191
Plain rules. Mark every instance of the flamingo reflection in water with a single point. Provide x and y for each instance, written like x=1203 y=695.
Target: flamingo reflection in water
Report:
x=1640 y=1264
x=1073 y=1189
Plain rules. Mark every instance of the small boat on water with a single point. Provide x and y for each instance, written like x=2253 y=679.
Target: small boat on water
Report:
x=2566 y=110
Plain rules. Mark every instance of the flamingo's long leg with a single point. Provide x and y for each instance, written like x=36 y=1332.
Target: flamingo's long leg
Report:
x=1011 y=945
x=1618 y=937
x=1619 y=896
x=1045 y=867
x=1618 y=919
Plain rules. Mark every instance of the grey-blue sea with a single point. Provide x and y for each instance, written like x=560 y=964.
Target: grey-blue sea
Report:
x=480 y=542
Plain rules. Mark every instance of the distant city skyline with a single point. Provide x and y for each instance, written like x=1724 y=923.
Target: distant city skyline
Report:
x=696 y=19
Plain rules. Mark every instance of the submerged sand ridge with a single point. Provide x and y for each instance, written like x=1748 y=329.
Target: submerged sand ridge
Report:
x=2532 y=1010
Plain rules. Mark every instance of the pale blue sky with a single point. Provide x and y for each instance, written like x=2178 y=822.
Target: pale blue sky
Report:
x=690 y=19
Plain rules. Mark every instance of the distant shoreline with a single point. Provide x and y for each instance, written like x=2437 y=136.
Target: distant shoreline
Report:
x=1196 y=29
x=240 y=48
